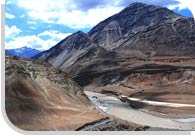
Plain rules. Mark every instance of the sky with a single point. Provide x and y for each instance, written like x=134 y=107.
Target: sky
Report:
x=41 y=24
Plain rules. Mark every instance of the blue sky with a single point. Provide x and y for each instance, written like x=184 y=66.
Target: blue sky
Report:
x=41 y=24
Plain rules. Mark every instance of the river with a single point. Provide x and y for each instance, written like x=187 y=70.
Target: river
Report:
x=113 y=106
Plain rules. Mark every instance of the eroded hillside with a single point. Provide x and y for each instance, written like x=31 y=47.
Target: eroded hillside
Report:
x=40 y=97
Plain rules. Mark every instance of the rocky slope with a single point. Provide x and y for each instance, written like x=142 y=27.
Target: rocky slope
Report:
x=139 y=31
x=40 y=97
x=66 y=52
x=146 y=28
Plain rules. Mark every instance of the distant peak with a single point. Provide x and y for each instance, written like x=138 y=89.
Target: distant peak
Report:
x=24 y=47
x=144 y=8
x=79 y=32
x=137 y=4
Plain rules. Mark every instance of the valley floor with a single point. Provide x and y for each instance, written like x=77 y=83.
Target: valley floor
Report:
x=113 y=106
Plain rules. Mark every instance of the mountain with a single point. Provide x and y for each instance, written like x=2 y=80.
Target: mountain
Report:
x=24 y=52
x=140 y=26
x=122 y=43
x=40 y=97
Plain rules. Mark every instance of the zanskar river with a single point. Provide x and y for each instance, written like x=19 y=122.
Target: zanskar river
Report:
x=115 y=107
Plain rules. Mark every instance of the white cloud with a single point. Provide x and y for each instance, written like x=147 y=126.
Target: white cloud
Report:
x=180 y=6
x=11 y=32
x=8 y=2
x=78 y=19
x=30 y=22
x=33 y=27
x=21 y=16
x=30 y=41
x=82 y=14
x=55 y=35
x=36 y=41
x=190 y=4
x=65 y=12
x=184 y=5
x=9 y=16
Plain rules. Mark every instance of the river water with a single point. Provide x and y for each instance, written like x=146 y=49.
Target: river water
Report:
x=99 y=104
x=184 y=120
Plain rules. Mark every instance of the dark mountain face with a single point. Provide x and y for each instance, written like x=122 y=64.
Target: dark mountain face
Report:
x=124 y=40
x=143 y=26
x=24 y=52
x=137 y=16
